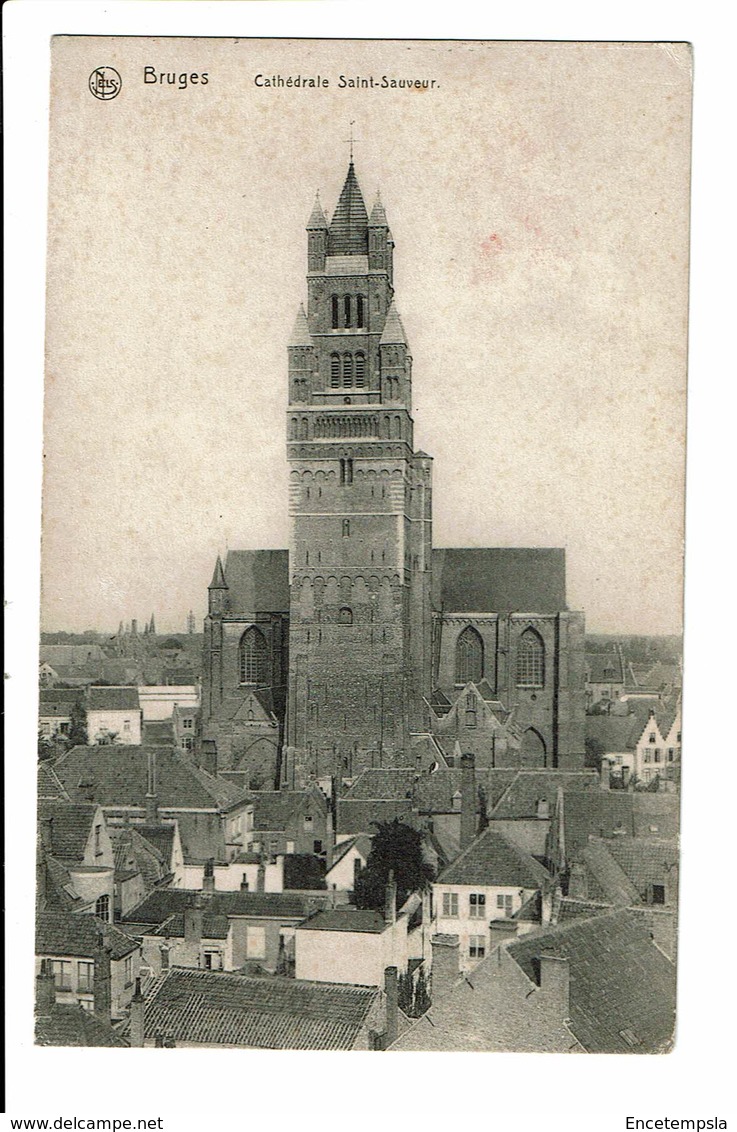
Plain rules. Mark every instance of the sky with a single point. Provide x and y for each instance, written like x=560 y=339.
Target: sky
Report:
x=538 y=198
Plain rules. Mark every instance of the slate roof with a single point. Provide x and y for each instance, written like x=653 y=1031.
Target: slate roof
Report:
x=103 y=698
x=361 y=815
x=165 y=902
x=258 y=581
x=49 y=785
x=158 y=733
x=571 y=909
x=130 y=846
x=619 y=981
x=68 y=933
x=646 y=860
x=49 y=696
x=617 y=814
x=216 y=1008
x=383 y=784
x=528 y=787
x=73 y=1026
x=348 y=232
x=274 y=809
x=610 y=878
x=61 y=710
x=161 y=837
x=301 y=332
x=213 y=926
x=499 y=580
x=362 y=920
x=118 y=776
x=70 y=828
x=317 y=216
x=492 y=859
x=393 y=332
x=612 y=731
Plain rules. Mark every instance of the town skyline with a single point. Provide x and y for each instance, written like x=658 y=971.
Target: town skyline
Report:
x=539 y=400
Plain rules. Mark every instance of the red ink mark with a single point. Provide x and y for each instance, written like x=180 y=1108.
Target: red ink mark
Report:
x=491 y=244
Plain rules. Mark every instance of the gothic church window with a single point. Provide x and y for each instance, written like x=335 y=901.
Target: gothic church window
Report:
x=469 y=657
x=335 y=370
x=253 y=657
x=530 y=660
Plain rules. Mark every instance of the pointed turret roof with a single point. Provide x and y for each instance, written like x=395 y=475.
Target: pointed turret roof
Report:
x=378 y=215
x=218 y=578
x=301 y=333
x=393 y=329
x=349 y=226
x=318 y=219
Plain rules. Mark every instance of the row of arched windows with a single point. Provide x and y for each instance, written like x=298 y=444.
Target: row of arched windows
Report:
x=469 y=659
x=348 y=311
x=348 y=370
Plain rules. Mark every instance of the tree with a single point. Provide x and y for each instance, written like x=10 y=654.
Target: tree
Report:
x=595 y=750
x=396 y=848
x=78 y=726
x=422 y=998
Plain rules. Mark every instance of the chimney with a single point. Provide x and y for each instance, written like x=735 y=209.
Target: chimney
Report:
x=578 y=886
x=390 y=899
x=543 y=808
x=152 y=804
x=391 y=990
x=605 y=773
x=208 y=878
x=329 y=835
x=244 y=884
x=445 y=964
x=261 y=877
x=45 y=989
x=468 y=800
x=136 y=1018
x=555 y=978
x=134 y=628
x=47 y=833
x=499 y=930
x=102 y=979
x=193 y=922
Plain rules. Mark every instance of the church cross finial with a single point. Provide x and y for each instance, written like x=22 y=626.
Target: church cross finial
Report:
x=351 y=140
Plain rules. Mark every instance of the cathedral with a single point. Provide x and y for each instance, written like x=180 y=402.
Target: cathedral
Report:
x=362 y=645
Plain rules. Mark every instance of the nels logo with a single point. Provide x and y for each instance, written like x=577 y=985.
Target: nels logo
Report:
x=105 y=83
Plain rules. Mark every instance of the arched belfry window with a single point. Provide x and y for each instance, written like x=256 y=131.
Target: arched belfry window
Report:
x=336 y=309
x=360 y=311
x=360 y=370
x=530 y=660
x=335 y=370
x=347 y=311
x=469 y=657
x=347 y=370
x=253 y=657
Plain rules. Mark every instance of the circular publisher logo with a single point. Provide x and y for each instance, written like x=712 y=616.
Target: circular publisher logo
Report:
x=105 y=83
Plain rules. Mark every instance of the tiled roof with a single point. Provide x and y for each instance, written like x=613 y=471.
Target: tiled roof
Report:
x=164 y=902
x=361 y=842
x=348 y=232
x=258 y=581
x=55 y=711
x=70 y=655
x=617 y=814
x=317 y=216
x=609 y=876
x=646 y=860
x=213 y=1008
x=528 y=787
x=531 y=911
x=55 y=696
x=118 y=776
x=49 y=784
x=131 y=847
x=363 y=815
x=612 y=731
x=158 y=733
x=68 y=933
x=60 y=893
x=494 y=860
x=499 y=580
x=384 y=784
x=213 y=926
x=364 y=921
x=604 y=668
x=571 y=909
x=619 y=982
x=161 y=837
x=70 y=825
x=274 y=809
x=103 y=698
x=73 y=1026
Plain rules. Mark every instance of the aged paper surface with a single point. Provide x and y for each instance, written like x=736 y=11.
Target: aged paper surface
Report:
x=537 y=197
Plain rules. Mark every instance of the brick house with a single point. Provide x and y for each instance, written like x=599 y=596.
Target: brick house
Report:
x=76 y=861
x=114 y=715
x=95 y=965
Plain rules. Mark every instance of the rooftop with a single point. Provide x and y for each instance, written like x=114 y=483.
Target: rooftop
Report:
x=69 y=933
x=364 y=921
x=165 y=902
x=72 y=1026
x=257 y=581
x=214 y=1008
x=104 y=698
x=499 y=579
x=70 y=826
x=494 y=860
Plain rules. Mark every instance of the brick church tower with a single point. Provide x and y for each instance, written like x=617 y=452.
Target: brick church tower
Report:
x=359 y=509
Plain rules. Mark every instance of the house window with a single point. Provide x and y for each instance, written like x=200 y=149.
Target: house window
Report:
x=469 y=656
x=256 y=943
x=188 y=743
x=477 y=947
x=504 y=903
x=253 y=657
x=85 y=976
x=128 y=970
x=126 y=725
x=657 y=754
x=188 y=724
x=62 y=971
x=212 y=961
x=530 y=660
x=652 y=737
x=87 y=1004
x=102 y=908
x=670 y=754
x=477 y=905
x=648 y=756
x=450 y=904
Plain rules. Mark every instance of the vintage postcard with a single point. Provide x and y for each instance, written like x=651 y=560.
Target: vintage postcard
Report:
x=362 y=561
